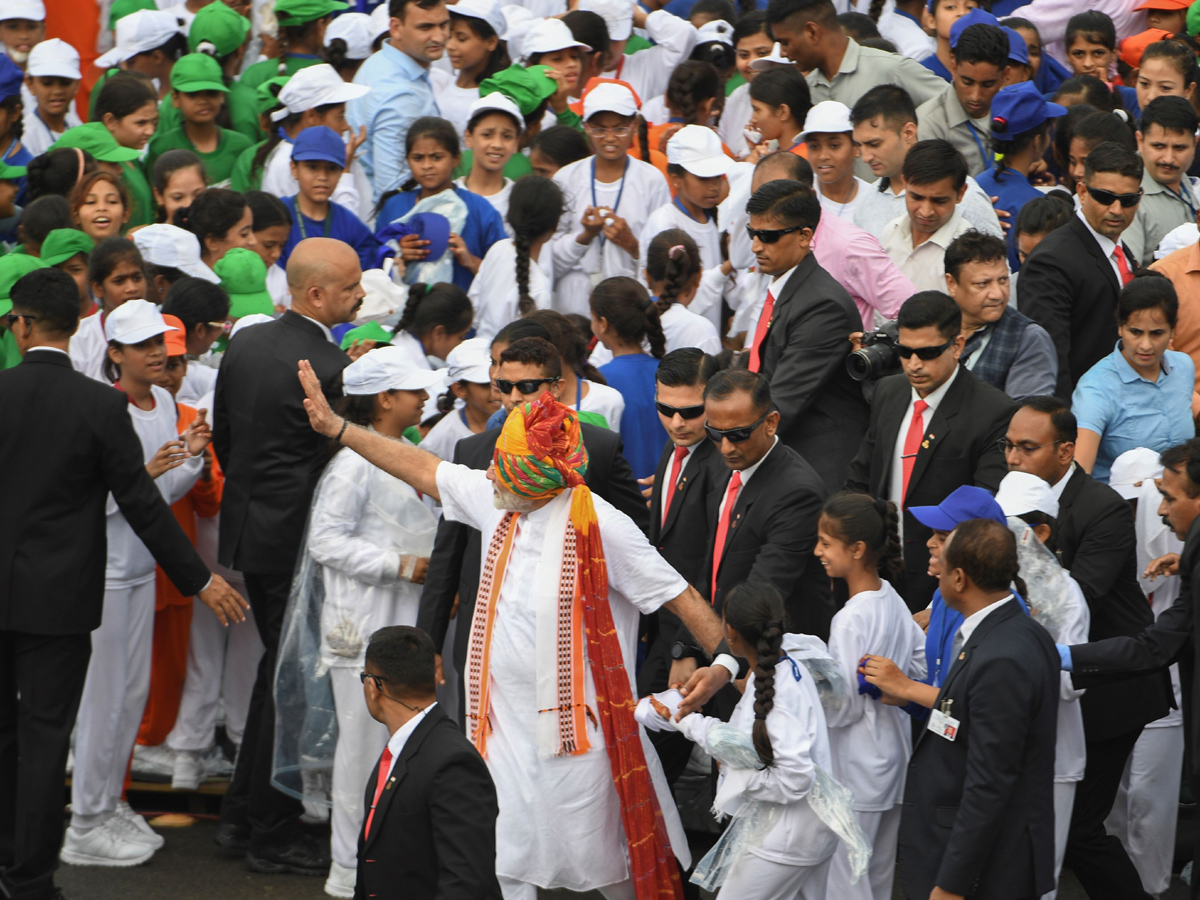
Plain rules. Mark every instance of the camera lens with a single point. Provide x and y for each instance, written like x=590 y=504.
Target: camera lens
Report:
x=858 y=364
x=873 y=361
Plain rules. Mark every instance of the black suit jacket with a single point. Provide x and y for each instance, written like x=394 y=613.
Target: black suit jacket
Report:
x=1069 y=288
x=962 y=449
x=456 y=557
x=1098 y=545
x=67 y=442
x=271 y=456
x=822 y=410
x=772 y=533
x=978 y=816
x=434 y=832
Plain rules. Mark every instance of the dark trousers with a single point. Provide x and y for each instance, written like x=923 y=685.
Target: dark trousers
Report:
x=41 y=681
x=1097 y=858
x=272 y=816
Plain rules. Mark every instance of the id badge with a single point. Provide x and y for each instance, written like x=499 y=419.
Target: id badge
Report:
x=943 y=725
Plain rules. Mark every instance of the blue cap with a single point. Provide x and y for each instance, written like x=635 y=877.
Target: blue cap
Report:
x=974 y=17
x=319 y=143
x=1019 y=108
x=11 y=78
x=965 y=503
x=435 y=228
x=1018 y=52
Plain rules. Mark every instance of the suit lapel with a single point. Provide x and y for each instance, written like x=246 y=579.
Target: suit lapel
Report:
x=1085 y=237
x=791 y=288
x=400 y=769
x=890 y=416
x=938 y=428
x=661 y=473
x=692 y=478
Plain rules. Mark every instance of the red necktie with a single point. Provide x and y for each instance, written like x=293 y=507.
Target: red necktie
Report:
x=731 y=495
x=676 y=468
x=1122 y=265
x=760 y=332
x=385 y=769
x=912 y=441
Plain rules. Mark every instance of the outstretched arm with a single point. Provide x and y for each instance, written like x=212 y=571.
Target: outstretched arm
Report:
x=409 y=464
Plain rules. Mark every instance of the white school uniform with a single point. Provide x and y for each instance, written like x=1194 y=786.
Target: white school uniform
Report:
x=37 y=136
x=734 y=120
x=648 y=71
x=89 y=346
x=655 y=111
x=445 y=435
x=604 y=400
x=499 y=200
x=454 y=103
x=844 y=210
x=683 y=328
x=494 y=293
x=353 y=189
x=707 y=236
x=416 y=351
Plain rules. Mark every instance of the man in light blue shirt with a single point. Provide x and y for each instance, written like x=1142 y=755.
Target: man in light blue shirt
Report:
x=401 y=93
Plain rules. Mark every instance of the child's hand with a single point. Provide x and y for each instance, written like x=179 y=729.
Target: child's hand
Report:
x=169 y=455
x=412 y=248
x=619 y=233
x=198 y=434
x=356 y=141
x=559 y=100
x=593 y=221
x=206 y=472
x=465 y=257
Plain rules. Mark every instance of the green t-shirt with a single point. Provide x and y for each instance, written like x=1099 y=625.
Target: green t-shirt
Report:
x=636 y=43
x=141 y=198
x=243 y=179
x=269 y=68
x=735 y=82
x=515 y=168
x=218 y=164
x=243 y=112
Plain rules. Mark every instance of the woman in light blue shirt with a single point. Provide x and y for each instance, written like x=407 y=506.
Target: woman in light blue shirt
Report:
x=1140 y=395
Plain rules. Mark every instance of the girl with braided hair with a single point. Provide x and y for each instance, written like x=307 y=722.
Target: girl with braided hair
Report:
x=673 y=272
x=858 y=540
x=435 y=320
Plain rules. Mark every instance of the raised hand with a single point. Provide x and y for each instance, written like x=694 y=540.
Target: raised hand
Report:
x=198 y=434
x=169 y=455
x=322 y=419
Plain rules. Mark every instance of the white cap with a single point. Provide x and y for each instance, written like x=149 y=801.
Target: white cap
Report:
x=138 y=32
x=383 y=297
x=717 y=30
x=53 y=58
x=617 y=15
x=387 y=369
x=33 y=10
x=1021 y=493
x=470 y=361
x=774 y=58
x=381 y=21
x=827 y=117
x=355 y=29
x=246 y=321
x=608 y=97
x=169 y=245
x=486 y=10
x=1177 y=238
x=517 y=22
x=1131 y=468
x=134 y=321
x=497 y=102
x=548 y=36
x=699 y=150
x=315 y=86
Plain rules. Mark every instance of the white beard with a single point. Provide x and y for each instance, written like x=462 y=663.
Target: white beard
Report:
x=510 y=502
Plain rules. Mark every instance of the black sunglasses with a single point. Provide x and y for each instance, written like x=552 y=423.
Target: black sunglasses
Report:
x=525 y=386
x=378 y=679
x=11 y=318
x=925 y=353
x=684 y=412
x=735 y=435
x=771 y=235
x=1108 y=198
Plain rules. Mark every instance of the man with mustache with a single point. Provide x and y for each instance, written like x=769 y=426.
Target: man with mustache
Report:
x=272 y=461
x=1167 y=143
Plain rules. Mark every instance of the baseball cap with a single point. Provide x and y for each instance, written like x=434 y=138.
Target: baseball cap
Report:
x=607 y=95
x=964 y=503
x=1019 y=108
x=122 y=8
x=827 y=117
x=370 y=331
x=13 y=268
x=355 y=29
x=173 y=247
x=1132 y=467
x=717 y=30
x=470 y=361
x=1021 y=493
x=319 y=143
x=517 y=22
x=547 y=36
x=176 y=338
x=218 y=24
x=976 y=16
x=133 y=322
x=33 y=10
x=617 y=16
x=315 y=86
x=297 y=12
x=1132 y=48
x=1164 y=4
x=387 y=369
x=381 y=21
x=243 y=275
x=197 y=72
x=63 y=243
x=1018 y=50
x=53 y=58
x=138 y=32
x=267 y=93
x=497 y=101
x=771 y=60
x=246 y=321
x=699 y=151
x=527 y=87
x=11 y=78
x=96 y=140
x=485 y=10
x=8 y=173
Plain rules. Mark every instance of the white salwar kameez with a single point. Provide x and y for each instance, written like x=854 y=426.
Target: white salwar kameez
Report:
x=494 y=293
x=707 y=236
x=735 y=118
x=499 y=200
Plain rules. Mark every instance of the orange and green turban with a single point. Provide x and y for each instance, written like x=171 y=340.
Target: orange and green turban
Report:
x=540 y=452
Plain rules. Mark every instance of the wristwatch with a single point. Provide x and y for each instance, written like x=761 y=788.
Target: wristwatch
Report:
x=680 y=650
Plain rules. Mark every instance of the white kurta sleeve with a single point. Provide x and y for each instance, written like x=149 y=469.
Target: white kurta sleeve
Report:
x=334 y=537
x=635 y=568
x=847 y=640
x=467 y=497
x=648 y=71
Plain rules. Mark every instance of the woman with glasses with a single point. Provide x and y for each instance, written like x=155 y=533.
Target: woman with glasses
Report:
x=1141 y=394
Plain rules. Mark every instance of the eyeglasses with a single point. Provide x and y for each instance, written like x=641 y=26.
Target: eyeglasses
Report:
x=378 y=679
x=735 y=435
x=1006 y=446
x=771 y=235
x=525 y=386
x=616 y=130
x=11 y=318
x=684 y=412
x=1108 y=198
x=925 y=353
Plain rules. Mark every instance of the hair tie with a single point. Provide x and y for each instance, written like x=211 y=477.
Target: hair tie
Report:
x=671 y=252
x=881 y=506
x=428 y=288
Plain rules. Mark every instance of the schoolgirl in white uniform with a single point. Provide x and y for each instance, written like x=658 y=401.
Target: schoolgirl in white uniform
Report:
x=476 y=53
x=468 y=402
x=434 y=321
x=493 y=134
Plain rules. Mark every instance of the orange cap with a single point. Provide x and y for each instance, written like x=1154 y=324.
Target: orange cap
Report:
x=594 y=82
x=177 y=339
x=1134 y=46
x=1164 y=4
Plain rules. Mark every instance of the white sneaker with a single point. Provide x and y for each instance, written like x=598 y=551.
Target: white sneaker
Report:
x=106 y=845
x=137 y=827
x=216 y=765
x=153 y=763
x=340 y=882
x=188 y=771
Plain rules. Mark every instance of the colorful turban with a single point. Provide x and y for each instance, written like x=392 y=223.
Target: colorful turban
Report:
x=540 y=452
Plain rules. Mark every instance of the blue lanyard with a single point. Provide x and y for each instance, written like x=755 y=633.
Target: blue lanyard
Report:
x=1183 y=197
x=620 y=190
x=795 y=666
x=684 y=210
x=987 y=163
x=578 y=392
x=462 y=414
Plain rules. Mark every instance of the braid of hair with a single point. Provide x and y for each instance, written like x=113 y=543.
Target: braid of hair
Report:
x=644 y=137
x=891 y=560
x=678 y=273
x=525 y=304
x=415 y=294
x=283 y=51
x=1022 y=588
x=445 y=403
x=654 y=332
x=770 y=644
x=875 y=10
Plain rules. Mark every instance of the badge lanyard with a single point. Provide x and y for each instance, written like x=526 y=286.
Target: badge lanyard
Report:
x=300 y=219
x=684 y=210
x=978 y=143
x=620 y=190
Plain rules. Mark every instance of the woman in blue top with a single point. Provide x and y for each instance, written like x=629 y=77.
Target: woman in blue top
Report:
x=1140 y=395
x=431 y=147
x=625 y=319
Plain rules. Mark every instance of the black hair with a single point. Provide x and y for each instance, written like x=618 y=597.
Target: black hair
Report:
x=724 y=383
x=562 y=144
x=534 y=207
x=107 y=255
x=859 y=26
x=44 y=215
x=1093 y=26
x=275 y=134
x=295 y=34
x=1041 y=215
x=123 y=94
x=521 y=328
x=431 y=305
x=982 y=43
x=534 y=351
x=167 y=165
x=790 y=166
x=879 y=43
x=1171 y=114
x=50 y=296
x=1183 y=459
x=748 y=25
x=9 y=104
x=822 y=12
x=1148 y=290
x=358 y=409
x=396 y=8
x=1113 y=158
x=337 y=55
x=1177 y=53
x=791 y=203
x=931 y=308
x=405 y=659
x=425 y=127
x=498 y=59
x=267 y=210
x=625 y=304
x=78 y=196
x=589 y=28
x=985 y=551
x=1064 y=131
x=690 y=85
x=1101 y=127
x=672 y=260
x=890 y=102
x=932 y=160
x=1062 y=420
x=1095 y=93
x=195 y=301
x=717 y=9
x=970 y=247
x=876 y=522
x=1016 y=23
x=756 y=612
x=686 y=367
x=718 y=54
x=213 y=212
x=569 y=342
x=783 y=84
x=1006 y=149
x=56 y=172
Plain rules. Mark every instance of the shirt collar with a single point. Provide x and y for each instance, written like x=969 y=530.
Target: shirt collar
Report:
x=777 y=285
x=971 y=622
x=1128 y=374
x=409 y=66
x=1107 y=244
x=748 y=472
x=1061 y=485
x=328 y=334
x=941 y=238
x=935 y=397
x=1151 y=186
x=51 y=349
x=849 y=64
x=404 y=732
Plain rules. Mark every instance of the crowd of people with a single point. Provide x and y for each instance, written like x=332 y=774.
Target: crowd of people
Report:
x=799 y=396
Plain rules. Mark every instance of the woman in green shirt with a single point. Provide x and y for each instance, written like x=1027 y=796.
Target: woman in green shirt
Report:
x=128 y=107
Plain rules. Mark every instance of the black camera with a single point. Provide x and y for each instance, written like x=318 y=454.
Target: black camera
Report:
x=878 y=357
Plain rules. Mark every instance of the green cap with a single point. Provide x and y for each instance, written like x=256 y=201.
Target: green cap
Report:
x=13 y=268
x=372 y=331
x=96 y=140
x=244 y=277
x=121 y=8
x=8 y=172
x=63 y=243
x=297 y=12
x=219 y=25
x=1193 y=19
x=197 y=72
x=268 y=92
x=528 y=88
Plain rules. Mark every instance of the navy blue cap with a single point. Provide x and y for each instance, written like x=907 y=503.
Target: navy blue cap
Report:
x=974 y=17
x=319 y=143
x=1019 y=108
x=965 y=503
x=11 y=78
x=1018 y=51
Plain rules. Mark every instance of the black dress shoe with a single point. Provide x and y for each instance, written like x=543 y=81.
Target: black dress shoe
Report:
x=303 y=857
x=233 y=839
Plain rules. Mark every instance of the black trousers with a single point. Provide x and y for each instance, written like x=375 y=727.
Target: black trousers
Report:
x=272 y=816
x=41 y=681
x=1097 y=858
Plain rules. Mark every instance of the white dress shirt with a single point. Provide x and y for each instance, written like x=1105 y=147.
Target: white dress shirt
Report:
x=924 y=265
x=747 y=473
x=896 y=481
x=971 y=622
x=1061 y=485
x=774 y=289
x=401 y=735
x=1107 y=246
